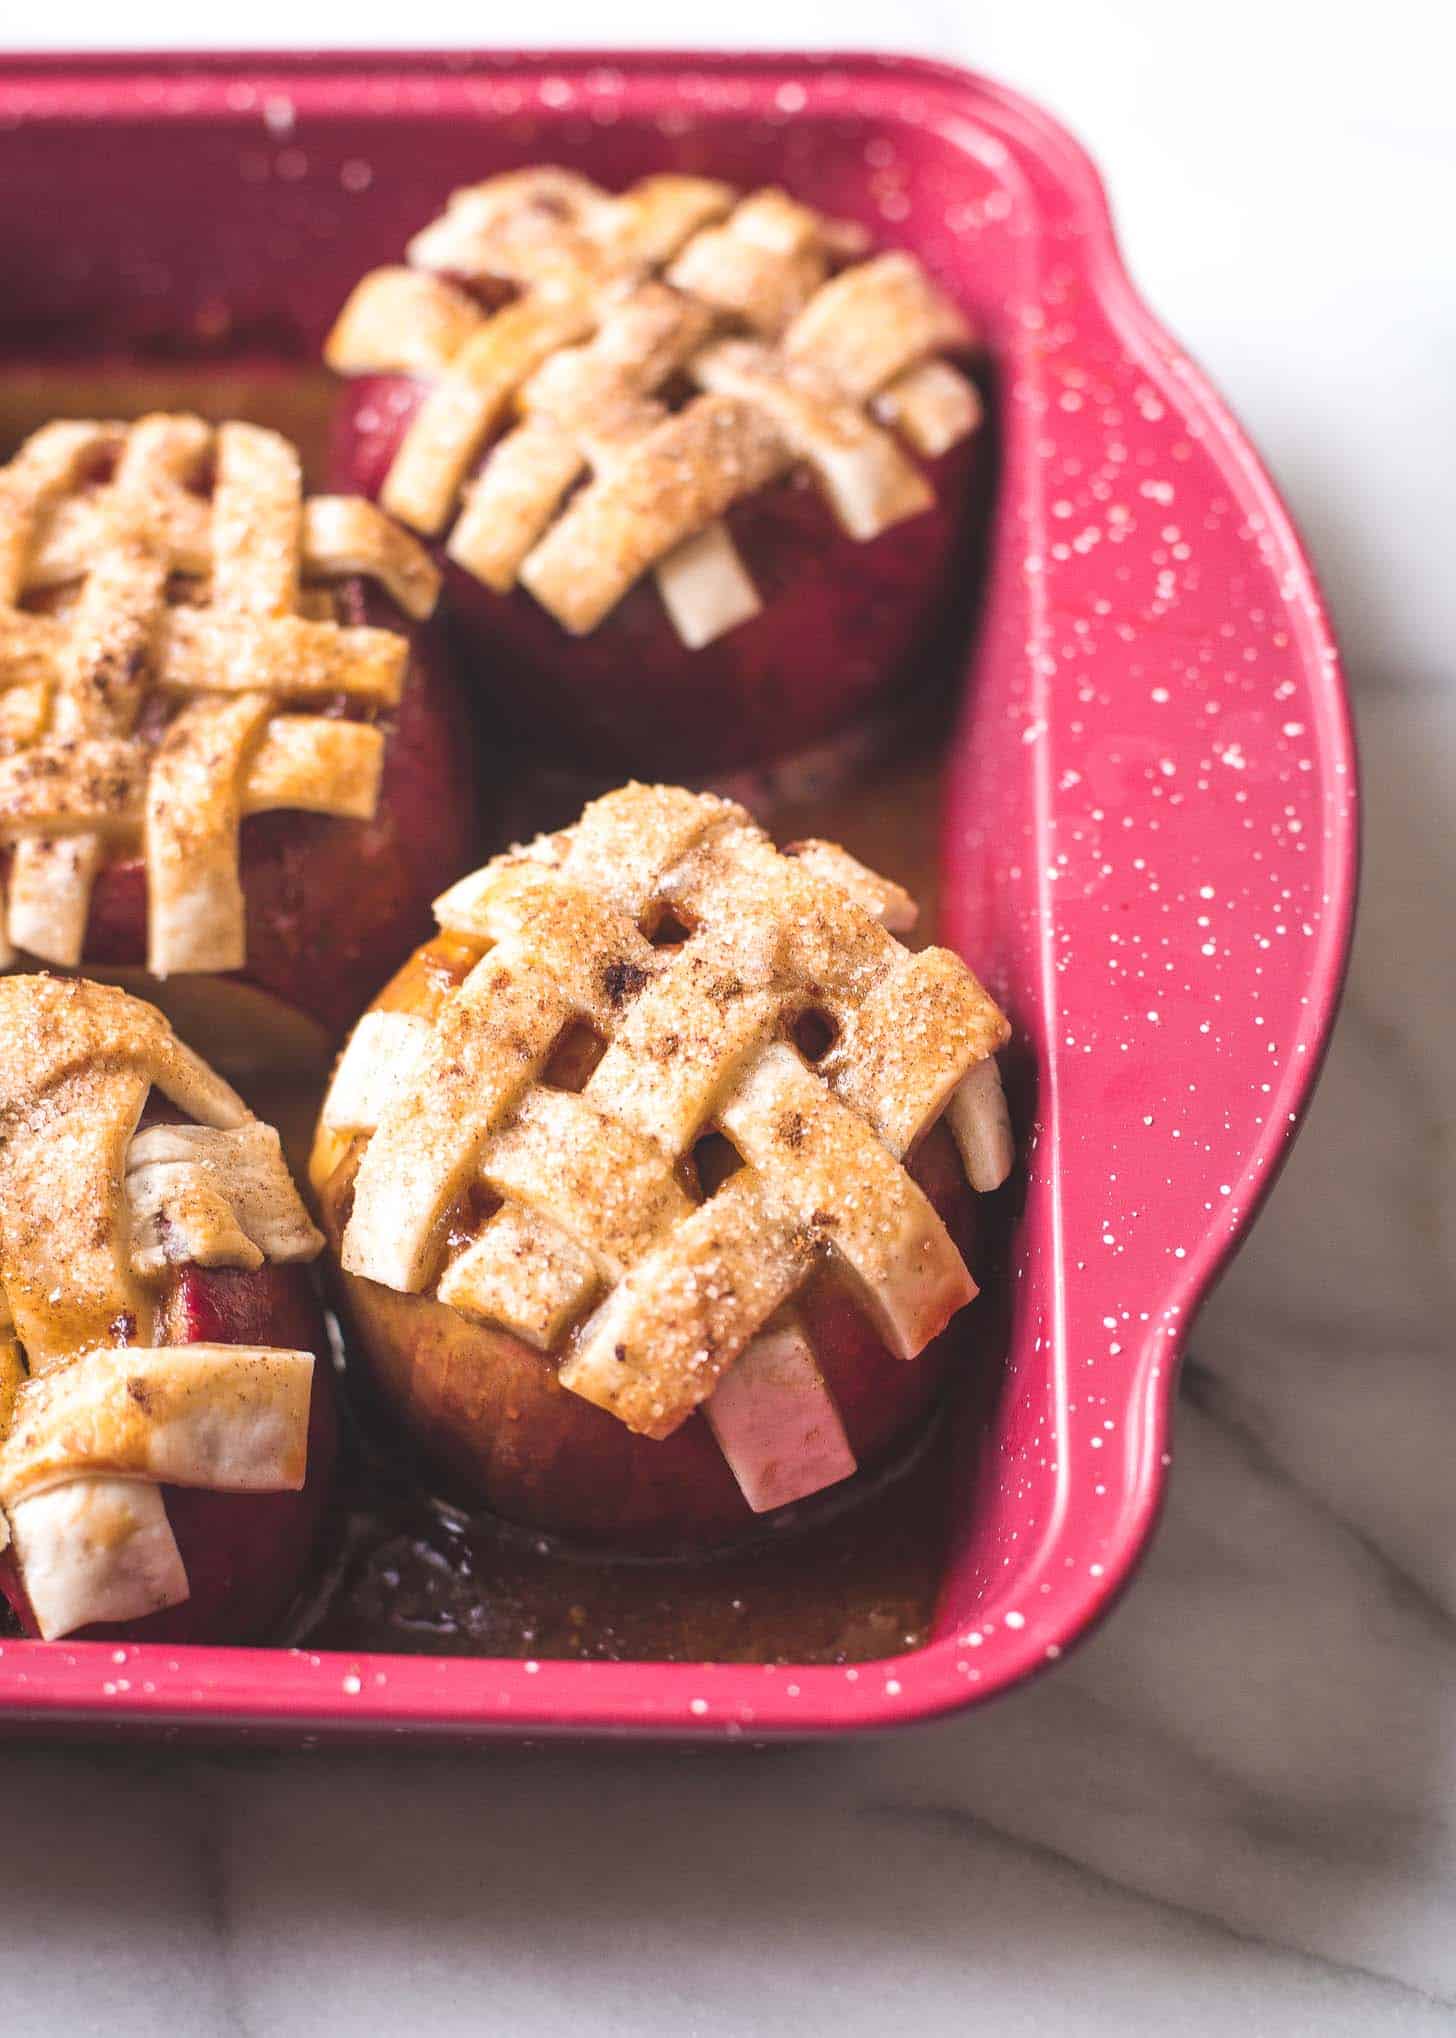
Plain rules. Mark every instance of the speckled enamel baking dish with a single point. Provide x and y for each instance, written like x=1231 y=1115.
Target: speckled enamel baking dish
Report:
x=1150 y=832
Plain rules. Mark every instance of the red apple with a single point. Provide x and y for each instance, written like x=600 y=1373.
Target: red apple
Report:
x=245 y=1554
x=497 y=1428
x=844 y=627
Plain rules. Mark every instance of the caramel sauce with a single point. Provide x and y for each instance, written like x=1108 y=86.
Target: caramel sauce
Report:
x=844 y=1579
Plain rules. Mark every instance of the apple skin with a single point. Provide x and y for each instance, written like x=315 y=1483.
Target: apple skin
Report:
x=332 y=905
x=245 y=1554
x=499 y=1431
x=843 y=627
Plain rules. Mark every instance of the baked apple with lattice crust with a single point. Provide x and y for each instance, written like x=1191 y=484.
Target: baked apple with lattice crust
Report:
x=700 y=467
x=651 y=1179
x=230 y=744
x=166 y=1403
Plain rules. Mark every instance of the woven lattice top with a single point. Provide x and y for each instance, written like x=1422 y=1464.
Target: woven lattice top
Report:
x=93 y=1212
x=610 y=1246
x=163 y=635
x=801 y=354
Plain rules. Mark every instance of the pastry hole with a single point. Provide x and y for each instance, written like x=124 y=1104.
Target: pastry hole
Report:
x=489 y=293
x=101 y=467
x=186 y=590
x=320 y=604
x=815 y=1033
x=160 y=1110
x=715 y=1159
x=341 y=601
x=469 y=1216
x=576 y=1053
x=574 y=488
x=677 y=392
x=664 y=926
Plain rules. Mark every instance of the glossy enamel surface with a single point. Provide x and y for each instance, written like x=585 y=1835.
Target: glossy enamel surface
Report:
x=1150 y=832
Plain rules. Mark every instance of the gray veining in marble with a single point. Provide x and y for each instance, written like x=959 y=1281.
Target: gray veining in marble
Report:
x=1234 y=1811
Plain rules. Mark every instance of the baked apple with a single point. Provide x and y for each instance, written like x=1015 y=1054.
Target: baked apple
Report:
x=233 y=757
x=666 y=442
x=648 y=1176
x=167 y=1426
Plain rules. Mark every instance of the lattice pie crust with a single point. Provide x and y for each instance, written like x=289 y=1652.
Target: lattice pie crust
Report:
x=169 y=663
x=602 y=1250
x=93 y=1416
x=796 y=361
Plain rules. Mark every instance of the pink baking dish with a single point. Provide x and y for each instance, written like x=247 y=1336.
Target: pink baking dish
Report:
x=1150 y=836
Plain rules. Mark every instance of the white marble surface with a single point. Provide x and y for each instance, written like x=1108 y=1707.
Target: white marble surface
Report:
x=1235 y=1809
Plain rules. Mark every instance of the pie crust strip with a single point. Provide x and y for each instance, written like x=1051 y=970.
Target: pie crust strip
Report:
x=231 y=1418
x=96 y=1549
x=206 y=1197
x=776 y=1421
